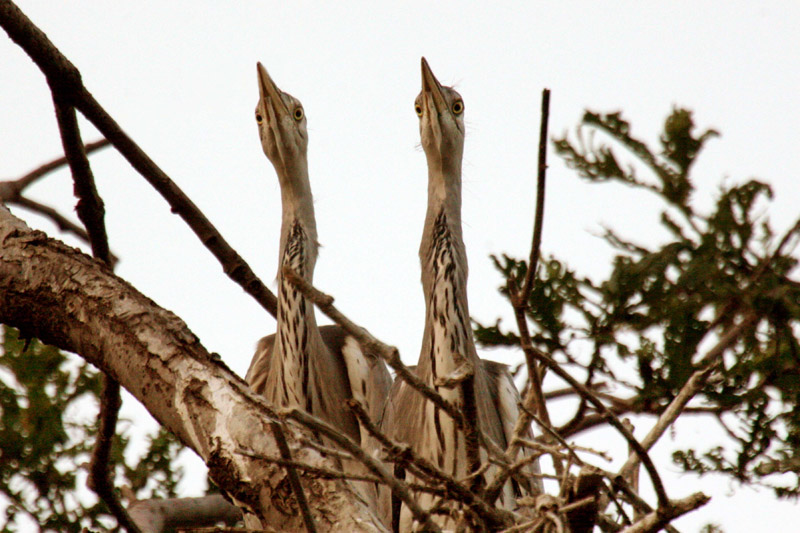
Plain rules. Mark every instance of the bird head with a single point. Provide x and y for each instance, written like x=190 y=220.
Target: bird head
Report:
x=281 y=124
x=441 y=121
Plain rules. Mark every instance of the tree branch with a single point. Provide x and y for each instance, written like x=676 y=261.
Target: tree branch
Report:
x=656 y=520
x=534 y=397
x=294 y=479
x=10 y=190
x=612 y=419
x=63 y=76
x=159 y=516
x=402 y=453
x=536 y=244
x=398 y=488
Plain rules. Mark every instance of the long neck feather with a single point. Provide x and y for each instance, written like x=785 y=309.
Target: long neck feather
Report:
x=297 y=328
x=444 y=277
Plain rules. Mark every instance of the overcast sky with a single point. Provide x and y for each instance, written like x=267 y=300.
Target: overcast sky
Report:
x=180 y=78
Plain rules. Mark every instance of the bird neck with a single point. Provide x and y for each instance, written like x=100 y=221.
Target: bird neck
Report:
x=443 y=214
x=444 y=281
x=297 y=221
x=297 y=328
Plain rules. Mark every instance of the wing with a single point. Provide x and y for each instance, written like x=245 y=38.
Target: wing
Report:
x=506 y=400
x=368 y=377
x=256 y=376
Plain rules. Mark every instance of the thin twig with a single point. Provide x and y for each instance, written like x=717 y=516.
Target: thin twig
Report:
x=398 y=488
x=494 y=489
x=424 y=468
x=656 y=520
x=313 y=472
x=621 y=485
x=390 y=354
x=520 y=299
x=294 y=479
x=63 y=223
x=10 y=190
x=612 y=419
x=536 y=243
x=324 y=450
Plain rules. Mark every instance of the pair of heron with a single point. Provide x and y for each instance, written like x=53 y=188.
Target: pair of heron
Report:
x=319 y=368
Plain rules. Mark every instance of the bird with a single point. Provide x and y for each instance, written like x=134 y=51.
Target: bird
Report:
x=447 y=337
x=317 y=369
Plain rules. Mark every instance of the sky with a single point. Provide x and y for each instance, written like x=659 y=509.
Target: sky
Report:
x=180 y=77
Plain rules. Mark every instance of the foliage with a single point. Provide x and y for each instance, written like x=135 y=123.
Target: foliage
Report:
x=46 y=442
x=662 y=302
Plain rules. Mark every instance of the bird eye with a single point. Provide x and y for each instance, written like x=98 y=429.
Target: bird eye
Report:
x=418 y=109
x=298 y=114
x=259 y=118
x=458 y=107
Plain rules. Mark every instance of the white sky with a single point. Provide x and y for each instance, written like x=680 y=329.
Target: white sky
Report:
x=180 y=78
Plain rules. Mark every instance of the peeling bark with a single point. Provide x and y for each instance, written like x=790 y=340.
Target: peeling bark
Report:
x=65 y=298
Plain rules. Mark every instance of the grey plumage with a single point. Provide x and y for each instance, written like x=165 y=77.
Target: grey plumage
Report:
x=447 y=335
x=303 y=365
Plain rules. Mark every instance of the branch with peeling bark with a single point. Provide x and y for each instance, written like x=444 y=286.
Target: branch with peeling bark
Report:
x=65 y=298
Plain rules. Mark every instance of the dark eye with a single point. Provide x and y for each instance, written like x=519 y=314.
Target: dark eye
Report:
x=418 y=109
x=259 y=118
x=298 y=114
x=458 y=107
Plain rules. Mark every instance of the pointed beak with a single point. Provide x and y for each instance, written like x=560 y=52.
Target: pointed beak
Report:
x=270 y=94
x=432 y=87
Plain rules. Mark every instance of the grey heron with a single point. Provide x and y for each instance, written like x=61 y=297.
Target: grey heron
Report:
x=302 y=365
x=447 y=337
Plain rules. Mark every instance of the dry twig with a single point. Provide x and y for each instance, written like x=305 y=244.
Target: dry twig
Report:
x=398 y=488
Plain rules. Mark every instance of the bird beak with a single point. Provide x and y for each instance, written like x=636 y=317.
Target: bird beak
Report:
x=430 y=85
x=270 y=94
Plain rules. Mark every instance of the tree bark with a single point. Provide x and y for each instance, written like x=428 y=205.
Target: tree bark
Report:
x=66 y=298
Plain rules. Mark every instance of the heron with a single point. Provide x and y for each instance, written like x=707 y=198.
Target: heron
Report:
x=447 y=337
x=317 y=369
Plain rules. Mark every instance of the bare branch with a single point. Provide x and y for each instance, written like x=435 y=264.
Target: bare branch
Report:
x=612 y=419
x=313 y=472
x=656 y=520
x=11 y=190
x=536 y=245
x=63 y=76
x=90 y=206
x=534 y=397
